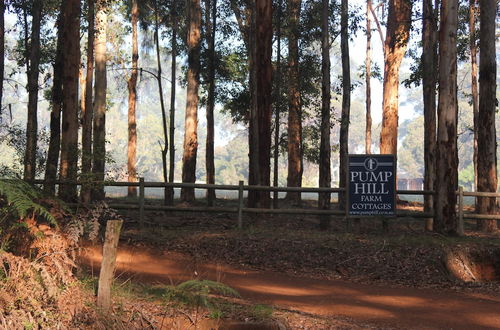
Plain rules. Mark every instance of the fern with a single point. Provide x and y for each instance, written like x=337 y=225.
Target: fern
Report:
x=22 y=200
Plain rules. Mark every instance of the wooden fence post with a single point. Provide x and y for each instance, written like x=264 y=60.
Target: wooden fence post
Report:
x=141 y=202
x=460 y=228
x=107 y=272
x=240 y=205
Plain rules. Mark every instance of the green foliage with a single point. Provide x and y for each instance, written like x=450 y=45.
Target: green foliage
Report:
x=19 y=199
x=262 y=311
x=196 y=294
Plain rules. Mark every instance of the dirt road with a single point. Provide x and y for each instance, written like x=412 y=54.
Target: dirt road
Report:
x=406 y=308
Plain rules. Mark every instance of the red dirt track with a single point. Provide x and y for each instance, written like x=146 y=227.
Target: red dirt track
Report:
x=406 y=308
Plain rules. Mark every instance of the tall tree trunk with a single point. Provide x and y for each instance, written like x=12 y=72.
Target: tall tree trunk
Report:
x=33 y=73
x=2 y=49
x=56 y=105
x=294 y=178
x=277 y=106
x=429 y=75
x=474 y=89
x=88 y=110
x=325 y=178
x=487 y=156
x=193 y=82
x=396 y=41
x=71 y=65
x=164 y=148
x=445 y=220
x=132 y=99
x=100 y=87
x=368 y=64
x=173 y=80
x=210 y=166
x=263 y=91
x=346 y=99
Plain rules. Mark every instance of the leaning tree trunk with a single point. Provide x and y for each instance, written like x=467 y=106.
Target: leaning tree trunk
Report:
x=173 y=80
x=429 y=75
x=368 y=64
x=346 y=100
x=56 y=105
x=164 y=148
x=210 y=166
x=325 y=148
x=33 y=73
x=2 y=49
x=487 y=160
x=193 y=82
x=445 y=220
x=71 y=66
x=88 y=110
x=132 y=100
x=294 y=178
x=100 y=87
x=263 y=91
x=474 y=88
x=396 y=41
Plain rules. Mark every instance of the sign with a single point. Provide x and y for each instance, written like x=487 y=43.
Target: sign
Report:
x=371 y=185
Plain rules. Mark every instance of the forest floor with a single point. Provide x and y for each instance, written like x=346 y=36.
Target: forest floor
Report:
x=291 y=275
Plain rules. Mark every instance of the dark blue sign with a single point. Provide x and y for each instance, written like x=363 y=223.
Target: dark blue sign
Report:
x=371 y=183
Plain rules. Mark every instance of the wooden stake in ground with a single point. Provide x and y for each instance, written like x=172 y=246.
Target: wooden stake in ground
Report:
x=106 y=275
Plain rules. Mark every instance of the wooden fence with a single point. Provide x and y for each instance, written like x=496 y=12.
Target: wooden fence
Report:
x=240 y=209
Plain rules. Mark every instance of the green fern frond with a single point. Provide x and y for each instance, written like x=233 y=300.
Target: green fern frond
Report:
x=21 y=200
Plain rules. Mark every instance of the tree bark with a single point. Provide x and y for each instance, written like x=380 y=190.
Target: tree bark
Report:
x=56 y=105
x=277 y=106
x=33 y=73
x=346 y=99
x=429 y=78
x=88 y=110
x=100 y=87
x=132 y=100
x=294 y=178
x=445 y=220
x=193 y=82
x=474 y=87
x=487 y=159
x=71 y=66
x=396 y=41
x=325 y=148
x=263 y=92
x=368 y=64
x=210 y=166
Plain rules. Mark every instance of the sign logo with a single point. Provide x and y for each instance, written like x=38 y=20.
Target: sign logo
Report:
x=371 y=164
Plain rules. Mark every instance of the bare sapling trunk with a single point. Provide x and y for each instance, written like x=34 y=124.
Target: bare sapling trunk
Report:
x=193 y=82
x=2 y=48
x=100 y=88
x=346 y=99
x=132 y=100
x=325 y=148
x=55 y=105
x=487 y=149
x=368 y=73
x=210 y=166
x=396 y=42
x=294 y=178
x=445 y=219
x=474 y=87
x=33 y=73
x=69 y=135
x=277 y=107
x=429 y=79
x=88 y=109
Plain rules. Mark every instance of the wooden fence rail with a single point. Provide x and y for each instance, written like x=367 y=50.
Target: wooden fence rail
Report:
x=241 y=188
